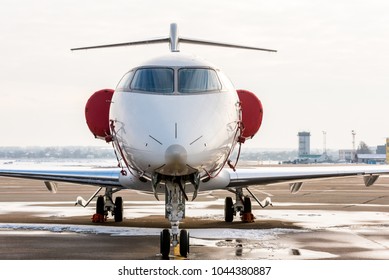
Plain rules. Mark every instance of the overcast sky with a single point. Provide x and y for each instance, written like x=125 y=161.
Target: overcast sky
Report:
x=331 y=72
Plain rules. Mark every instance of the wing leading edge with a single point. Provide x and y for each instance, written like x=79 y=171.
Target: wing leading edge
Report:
x=274 y=175
x=107 y=177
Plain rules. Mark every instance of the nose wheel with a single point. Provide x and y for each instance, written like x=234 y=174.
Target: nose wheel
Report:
x=184 y=243
x=166 y=240
x=165 y=243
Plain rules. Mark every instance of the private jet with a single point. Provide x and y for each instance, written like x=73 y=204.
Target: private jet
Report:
x=174 y=122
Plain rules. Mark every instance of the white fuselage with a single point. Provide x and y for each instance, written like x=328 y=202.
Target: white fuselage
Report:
x=176 y=131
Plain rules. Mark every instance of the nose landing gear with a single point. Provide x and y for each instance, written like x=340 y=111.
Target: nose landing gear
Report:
x=175 y=211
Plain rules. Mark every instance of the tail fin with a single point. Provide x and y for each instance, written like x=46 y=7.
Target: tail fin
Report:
x=174 y=40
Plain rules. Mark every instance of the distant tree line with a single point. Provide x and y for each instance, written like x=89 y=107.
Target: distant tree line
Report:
x=268 y=155
x=85 y=152
x=72 y=152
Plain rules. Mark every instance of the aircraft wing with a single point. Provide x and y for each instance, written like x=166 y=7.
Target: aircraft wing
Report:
x=296 y=175
x=106 y=177
x=299 y=174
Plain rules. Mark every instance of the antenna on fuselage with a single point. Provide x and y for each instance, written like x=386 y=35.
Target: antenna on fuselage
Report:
x=174 y=40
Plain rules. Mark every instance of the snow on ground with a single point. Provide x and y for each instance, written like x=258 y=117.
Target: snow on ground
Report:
x=311 y=219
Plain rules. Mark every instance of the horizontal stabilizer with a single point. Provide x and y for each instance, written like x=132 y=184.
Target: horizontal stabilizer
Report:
x=219 y=44
x=135 y=43
x=174 y=41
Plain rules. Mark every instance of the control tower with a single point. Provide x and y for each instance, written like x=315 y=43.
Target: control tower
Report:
x=304 y=143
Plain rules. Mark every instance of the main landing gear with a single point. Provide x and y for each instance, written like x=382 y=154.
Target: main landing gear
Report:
x=242 y=206
x=175 y=198
x=105 y=205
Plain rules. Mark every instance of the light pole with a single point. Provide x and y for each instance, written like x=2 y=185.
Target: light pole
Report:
x=353 y=154
x=324 y=142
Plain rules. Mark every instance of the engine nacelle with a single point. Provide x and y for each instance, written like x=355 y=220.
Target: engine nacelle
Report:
x=252 y=113
x=97 y=114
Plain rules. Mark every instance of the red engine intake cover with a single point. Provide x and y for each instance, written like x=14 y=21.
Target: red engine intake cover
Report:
x=97 y=113
x=252 y=113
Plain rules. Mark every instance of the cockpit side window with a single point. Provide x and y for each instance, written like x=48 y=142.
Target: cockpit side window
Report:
x=158 y=80
x=124 y=83
x=227 y=84
x=195 y=80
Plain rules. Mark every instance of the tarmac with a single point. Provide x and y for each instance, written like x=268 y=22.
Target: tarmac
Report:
x=328 y=219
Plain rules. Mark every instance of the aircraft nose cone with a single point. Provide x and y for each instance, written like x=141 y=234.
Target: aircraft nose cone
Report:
x=176 y=158
x=176 y=154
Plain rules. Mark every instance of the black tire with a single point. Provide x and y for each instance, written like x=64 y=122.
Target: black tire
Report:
x=165 y=243
x=100 y=205
x=228 y=210
x=184 y=243
x=118 y=212
x=247 y=205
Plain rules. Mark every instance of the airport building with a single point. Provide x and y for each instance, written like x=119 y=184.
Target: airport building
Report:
x=304 y=143
x=377 y=155
x=346 y=155
x=380 y=156
x=371 y=158
x=304 y=150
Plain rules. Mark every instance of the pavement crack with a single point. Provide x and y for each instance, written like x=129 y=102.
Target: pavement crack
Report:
x=376 y=198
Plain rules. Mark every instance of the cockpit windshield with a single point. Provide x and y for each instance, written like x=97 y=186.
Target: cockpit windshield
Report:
x=195 y=80
x=160 y=80
x=164 y=80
